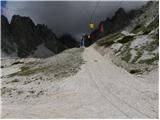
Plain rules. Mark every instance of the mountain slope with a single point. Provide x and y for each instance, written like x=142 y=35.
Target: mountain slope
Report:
x=136 y=47
x=22 y=37
x=122 y=20
x=99 y=90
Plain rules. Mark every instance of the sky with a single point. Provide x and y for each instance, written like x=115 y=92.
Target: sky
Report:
x=3 y=3
x=63 y=17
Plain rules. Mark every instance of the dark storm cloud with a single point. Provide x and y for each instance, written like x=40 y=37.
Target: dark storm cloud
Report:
x=67 y=16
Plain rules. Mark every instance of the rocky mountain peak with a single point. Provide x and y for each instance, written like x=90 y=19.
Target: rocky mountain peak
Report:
x=27 y=36
x=22 y=19
x=120 y=11
x=117 y=22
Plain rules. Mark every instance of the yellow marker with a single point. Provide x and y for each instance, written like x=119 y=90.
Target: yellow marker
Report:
x=91 y=26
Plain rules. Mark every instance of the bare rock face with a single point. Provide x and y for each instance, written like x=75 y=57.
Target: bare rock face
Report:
x=27 y=36
x=49 y=38
x=120 y=20
x=7 y=43
x=23 y=31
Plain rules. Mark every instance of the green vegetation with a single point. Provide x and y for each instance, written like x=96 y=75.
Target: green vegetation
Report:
x=156 y=38
x=26 y=70
x=151 y=60
x=154 y=24
x=126 y=39
x=137 y=29
x=139 y=54
x=126 y=56
x=125 y=53
x=109 y=40
x=152 y=46
x=61 y=66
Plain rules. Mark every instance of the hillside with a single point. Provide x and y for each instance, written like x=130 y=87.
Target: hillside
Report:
x=129 y=20
x=88 y=85
x=136 y=47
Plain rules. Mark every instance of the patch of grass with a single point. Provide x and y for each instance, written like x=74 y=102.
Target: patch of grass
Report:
x=155 y=37
x=63 y=65
x=127 y=56
x=151 y=60
x=139 y=54
x=137 y=29
x=125 y=52
x=26 y=70
x=109 y=40
x=152 y=45
x=126 y=39
x=154 y=24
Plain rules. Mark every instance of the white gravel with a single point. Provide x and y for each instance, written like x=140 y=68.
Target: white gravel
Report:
x=133 y=54
x=99 y=90
x=141 y=41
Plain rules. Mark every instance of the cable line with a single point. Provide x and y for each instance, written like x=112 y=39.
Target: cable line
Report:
x=91 y=24
x=93 y=13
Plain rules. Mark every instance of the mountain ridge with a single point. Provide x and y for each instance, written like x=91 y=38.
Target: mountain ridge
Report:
x=27 y=36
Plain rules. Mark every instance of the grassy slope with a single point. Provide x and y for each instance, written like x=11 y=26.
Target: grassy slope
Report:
x=125 y=51
x=62 y=65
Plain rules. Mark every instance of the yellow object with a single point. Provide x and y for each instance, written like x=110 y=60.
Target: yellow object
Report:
x=91 y=26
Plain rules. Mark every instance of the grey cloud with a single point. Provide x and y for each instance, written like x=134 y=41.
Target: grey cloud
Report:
x=67 y=16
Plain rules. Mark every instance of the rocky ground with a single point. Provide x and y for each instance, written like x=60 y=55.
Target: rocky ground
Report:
x=19 y=74
x=77 y=83
x=138 y=49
